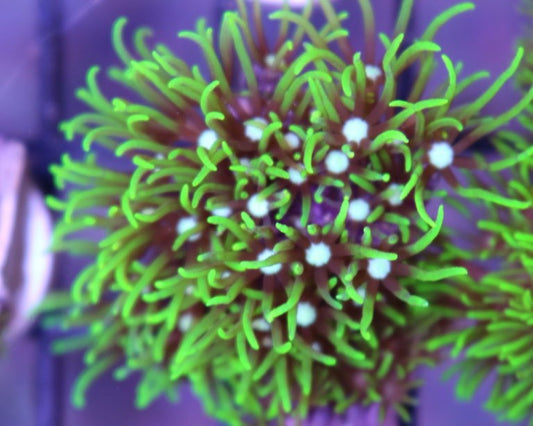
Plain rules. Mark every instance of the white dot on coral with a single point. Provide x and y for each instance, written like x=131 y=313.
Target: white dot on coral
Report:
x=358 y=209
x=318 y=254
x=441 y=155
x=257 y=206
x=295 y=176
x=317 y=347
x=245 y=161
x=372 y=72
x=292 y=140
x=222 y=211
x=185 y=322
x=207 y=138
x=147 y=211
x=355 y=130
x=185 y=224
x=272 y=269
x=362 y=292
x=337 y=162
x=394 y=191
x=260 y=324
x=254 y=131
x=305 y=314
x=378 y=268
x=270 y=60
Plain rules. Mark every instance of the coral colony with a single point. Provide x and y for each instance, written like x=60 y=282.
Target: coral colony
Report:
x=498 y=301
x=271 y=229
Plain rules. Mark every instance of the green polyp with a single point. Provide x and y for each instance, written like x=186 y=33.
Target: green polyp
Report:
x=403 y=17
x=387 y=137
x=92 y=95
x=88 y=376
x=479 y=193
x=244 y=58
x=375 y=214
x=313 y=54
x=204 y=39
x=297 y=84
x=283 y=204
x=206 y=161
x=427 y=239
x=346 y=81
x=322 y=101
x=413 y=52
x=412 y=108
x=289 y=232
x=303 y=24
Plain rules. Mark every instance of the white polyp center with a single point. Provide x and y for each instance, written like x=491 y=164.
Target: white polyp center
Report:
x=358 y=209
x=207 y=139
x=337 y=162
x=272 y=269
x=292 y=140
x=295 y=176
x=441 y=155
x=355 y=130
x=189 y=290
x=222 y=211
x=394 y=192
x=257 y=206
x=260 y=324
x=305 y=314
x=318 y=254
x=362 y=292
x=185 y=322
x=254 y=131
x=148 y=211
x=267 y=342
x=317 y=347
x=225 y=274
x=378 y=268
x=372 y=72
x=185 y=224
x=245 y=161
x=270 y=60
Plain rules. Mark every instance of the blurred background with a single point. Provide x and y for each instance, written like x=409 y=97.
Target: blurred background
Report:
x=46 y=47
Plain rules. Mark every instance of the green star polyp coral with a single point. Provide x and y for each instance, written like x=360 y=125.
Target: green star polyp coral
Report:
x=495 y=305
x=265 y=222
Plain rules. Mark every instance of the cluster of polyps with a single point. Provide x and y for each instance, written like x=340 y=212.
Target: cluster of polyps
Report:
x=270 y=238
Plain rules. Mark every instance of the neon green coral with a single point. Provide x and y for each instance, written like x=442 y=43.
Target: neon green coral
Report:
x=266 y=236
x=497 y=303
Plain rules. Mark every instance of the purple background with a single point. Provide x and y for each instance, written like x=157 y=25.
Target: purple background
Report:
x=484 y=39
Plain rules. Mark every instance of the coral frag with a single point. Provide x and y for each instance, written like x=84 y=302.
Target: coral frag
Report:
x=266 y=240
